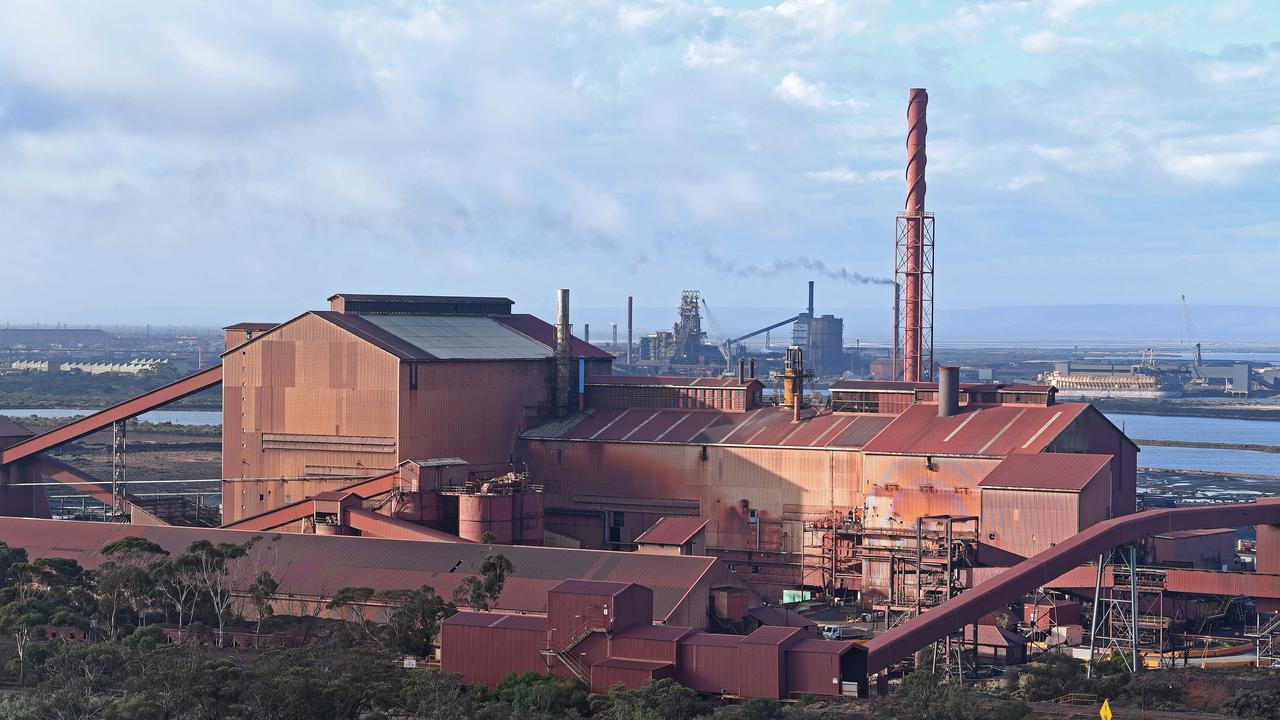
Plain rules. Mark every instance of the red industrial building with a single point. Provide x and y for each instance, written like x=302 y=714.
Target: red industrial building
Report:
x=601 y=633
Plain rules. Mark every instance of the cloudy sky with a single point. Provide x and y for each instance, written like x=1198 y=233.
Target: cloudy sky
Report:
x=221 y=162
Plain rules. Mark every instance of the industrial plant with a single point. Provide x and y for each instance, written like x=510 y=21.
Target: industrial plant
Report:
x=673 y=505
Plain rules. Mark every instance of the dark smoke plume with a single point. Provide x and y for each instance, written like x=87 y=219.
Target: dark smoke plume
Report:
x=812 y=265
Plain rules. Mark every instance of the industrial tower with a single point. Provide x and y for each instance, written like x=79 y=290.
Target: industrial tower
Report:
x=913 y=259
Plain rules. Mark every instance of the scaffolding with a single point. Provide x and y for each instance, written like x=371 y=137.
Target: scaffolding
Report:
x=1128 y=617
x=1266 y=638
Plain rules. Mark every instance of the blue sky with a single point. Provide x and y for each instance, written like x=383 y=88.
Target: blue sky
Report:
x=198 y=162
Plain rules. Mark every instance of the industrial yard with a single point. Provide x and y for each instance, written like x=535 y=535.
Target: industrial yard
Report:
x=633 y=361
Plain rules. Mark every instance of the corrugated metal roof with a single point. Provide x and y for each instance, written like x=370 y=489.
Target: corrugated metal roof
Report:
x=1046 y=471
x=673 y=530
x=669 y=381
x=900 y=386
x=253 y=326
x=461 y=337
x=545 y=333
x=994 y=636
x=821 y=646
x=9 y=428
x=712 y=639
x=653 y=632
x=977 y=431
x=590 y=587
x=459 y=299
x=771 y=635
x=768 y=426
x=319 y=565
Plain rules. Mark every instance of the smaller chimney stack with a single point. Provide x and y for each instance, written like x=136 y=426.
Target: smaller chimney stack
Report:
x=810 y=299
x=742 y=371
x=948 y=391
x=586 y=332
x=563 y=359
x=628 y=329
x=751 y=365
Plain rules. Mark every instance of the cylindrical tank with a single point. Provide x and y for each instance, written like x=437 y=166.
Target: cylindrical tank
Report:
x=948 y=391
x=528 y=518
x=826 y=345
x=328 y=529
x=478 y=514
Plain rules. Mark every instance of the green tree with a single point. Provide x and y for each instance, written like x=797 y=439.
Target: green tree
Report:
x=264 y=588
x=353 y=605
x=127 y=578
x=925 y=696
x=531 y=695
x=217 y=570
x=23 y=618
x=414 y=621
x=665 y=699
x=481 y=591
x=432 y=695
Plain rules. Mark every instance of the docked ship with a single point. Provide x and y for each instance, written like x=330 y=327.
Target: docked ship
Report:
x=1142 y=381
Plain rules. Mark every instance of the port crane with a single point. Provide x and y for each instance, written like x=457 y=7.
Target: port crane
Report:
x=1189 y=335
x=728 y=345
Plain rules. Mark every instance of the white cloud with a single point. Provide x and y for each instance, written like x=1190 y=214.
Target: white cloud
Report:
x=842 y=174
x=1048 y=41
x=638 y=17
x=796 y=90
x=1018 y=182
x=1230 y=11
x=1062 y=10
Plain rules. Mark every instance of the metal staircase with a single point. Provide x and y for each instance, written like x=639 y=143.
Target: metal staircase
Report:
x=565 y=655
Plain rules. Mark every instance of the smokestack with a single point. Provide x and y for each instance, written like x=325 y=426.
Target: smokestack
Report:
x=810 y=299
x=751 y=365
x=628 y=329
x=614 y=326
x=742 y=371
x=799 y=403
x=948 y=391
x=586 y=332
x=563 y=360
x=913 y=255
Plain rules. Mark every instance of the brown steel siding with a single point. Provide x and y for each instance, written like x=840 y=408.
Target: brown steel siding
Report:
x=643 y=649
x=1095 y=499
x=571 y=613
x=307 y=378
x=633 y=606
x=1027 y=522
x=604 y=677
x=709 y=668
x=813 y=673
x=762 y=671
x=471 y=410
x=489 y=654
x=1268 y=549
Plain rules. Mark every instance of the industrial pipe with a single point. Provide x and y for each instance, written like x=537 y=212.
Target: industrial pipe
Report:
x=948 y=391
x=751 y=368
x=742 y=371
x=628 y=329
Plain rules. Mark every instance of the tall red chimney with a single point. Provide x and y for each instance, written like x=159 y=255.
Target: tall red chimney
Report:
x=914 y=257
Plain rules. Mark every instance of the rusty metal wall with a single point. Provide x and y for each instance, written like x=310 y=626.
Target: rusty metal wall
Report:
x=570 y=613
x=471 y=410
x=643 y=649
x=1268 y=549
x=1209 y=551
x=709 y=668
x=762 y=670
x=480 y=514
x=784 y=486
x=1026 y=522
x=474 y=649
x=308 y=378
x=900 y=489
x=812 y=673
x=634 y=606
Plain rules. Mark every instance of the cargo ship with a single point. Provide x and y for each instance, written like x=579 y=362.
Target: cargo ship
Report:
x=1136 y=384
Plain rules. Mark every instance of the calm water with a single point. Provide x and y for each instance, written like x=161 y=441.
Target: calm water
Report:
x=184 y=417
x=1164 y=427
